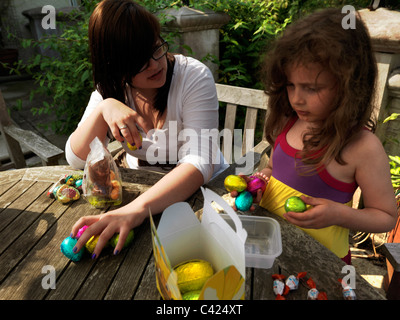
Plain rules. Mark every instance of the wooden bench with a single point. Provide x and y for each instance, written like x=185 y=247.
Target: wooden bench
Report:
x=392 y=253
x=15 y=136
x=254 y=100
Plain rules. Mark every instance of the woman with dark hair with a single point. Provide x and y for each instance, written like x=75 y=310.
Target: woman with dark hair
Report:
x=164 y=105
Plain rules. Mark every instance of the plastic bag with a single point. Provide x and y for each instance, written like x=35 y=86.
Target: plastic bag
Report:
x=102 y=185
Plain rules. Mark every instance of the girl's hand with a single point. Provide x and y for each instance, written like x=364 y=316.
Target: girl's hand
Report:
x=258 y=198
x=105 y=225
x=123 y=121
x=324 y=213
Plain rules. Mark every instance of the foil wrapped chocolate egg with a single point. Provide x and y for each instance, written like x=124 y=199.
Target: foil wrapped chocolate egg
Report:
x=235 y=183
x=191 y=295
x=133 y=147
x=78 y=184
x=295 y=204
x=254 y=184
x=80 y=232
x=67 y=247
x=193 y=274
x=244 y=201
x=128 y=241
x=91 y=244
x=66 y=194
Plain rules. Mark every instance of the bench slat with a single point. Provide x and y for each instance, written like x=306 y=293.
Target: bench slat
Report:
x=242 y=96
x=38 y=145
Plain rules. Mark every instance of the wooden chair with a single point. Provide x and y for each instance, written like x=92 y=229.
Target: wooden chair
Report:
x=14 y=137
x=254 y=100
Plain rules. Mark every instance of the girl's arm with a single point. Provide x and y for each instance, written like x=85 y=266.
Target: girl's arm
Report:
x=177 y=185
x=372 y=174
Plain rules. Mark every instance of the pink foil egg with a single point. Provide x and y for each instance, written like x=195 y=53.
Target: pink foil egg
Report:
x=254 y=184
x=80 y=232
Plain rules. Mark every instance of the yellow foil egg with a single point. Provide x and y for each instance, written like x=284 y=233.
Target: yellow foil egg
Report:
x=235 y=183
x=91 y=244
x=133 y=147
x=193 y=274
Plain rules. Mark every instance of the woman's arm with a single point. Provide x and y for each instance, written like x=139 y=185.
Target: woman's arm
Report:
x=177 y=185
x=108 y=114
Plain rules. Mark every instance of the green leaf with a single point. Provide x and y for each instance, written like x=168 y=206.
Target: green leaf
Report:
x=393 y=116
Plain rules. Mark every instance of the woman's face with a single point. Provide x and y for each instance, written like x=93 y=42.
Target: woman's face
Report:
x=153 y=74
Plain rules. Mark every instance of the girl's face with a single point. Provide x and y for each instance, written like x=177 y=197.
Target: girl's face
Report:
x=154 y=72
x=311 y=91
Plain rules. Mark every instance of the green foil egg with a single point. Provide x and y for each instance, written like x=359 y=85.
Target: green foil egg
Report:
x=128 y=241
x=295 y=204
x=191 y=295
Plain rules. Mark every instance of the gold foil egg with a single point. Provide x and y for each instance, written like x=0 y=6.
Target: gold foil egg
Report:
x=235 y=183
x=91 y=244
x=133 y=147
x=193 y=274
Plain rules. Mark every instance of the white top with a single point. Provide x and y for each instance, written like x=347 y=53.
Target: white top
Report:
x=190 y=132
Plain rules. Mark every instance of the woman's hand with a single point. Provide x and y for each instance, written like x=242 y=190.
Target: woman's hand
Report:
x=123 y=121
x=106 y=225
x=323 y=213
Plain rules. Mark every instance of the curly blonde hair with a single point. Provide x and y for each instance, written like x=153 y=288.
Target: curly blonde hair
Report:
x=347 y=54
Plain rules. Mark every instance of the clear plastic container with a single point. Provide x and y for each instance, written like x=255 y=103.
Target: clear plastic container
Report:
x=263 y=243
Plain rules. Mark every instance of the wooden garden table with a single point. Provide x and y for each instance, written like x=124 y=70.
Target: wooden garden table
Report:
x=32 y=227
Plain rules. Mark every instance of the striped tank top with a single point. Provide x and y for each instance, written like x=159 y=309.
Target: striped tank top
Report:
x=288 y=180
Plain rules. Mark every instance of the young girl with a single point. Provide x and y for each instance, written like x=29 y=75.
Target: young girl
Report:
x=320 y=79
x=142 y=90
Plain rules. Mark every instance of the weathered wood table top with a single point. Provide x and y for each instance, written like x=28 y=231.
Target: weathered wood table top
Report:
x=32 y=227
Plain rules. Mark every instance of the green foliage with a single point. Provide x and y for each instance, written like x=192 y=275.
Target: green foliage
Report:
x=67 y=80
x=64 y=82
x=253 y=25
x=395 y=171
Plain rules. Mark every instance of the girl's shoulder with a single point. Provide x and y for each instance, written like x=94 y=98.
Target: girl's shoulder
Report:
x=364 y=145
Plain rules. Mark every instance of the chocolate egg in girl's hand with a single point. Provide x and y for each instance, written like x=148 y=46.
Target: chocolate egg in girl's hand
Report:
x=295 y=204
x=235 y=183
x=244 y=201
x=254 y=184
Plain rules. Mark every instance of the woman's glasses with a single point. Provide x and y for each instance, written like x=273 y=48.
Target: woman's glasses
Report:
x=158 y=53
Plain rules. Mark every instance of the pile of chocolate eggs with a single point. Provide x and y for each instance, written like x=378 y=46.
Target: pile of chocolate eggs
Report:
x=67 y=189
x=68 y=244
x=247 y=191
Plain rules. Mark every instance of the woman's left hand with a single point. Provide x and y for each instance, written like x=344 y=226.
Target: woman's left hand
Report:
x=105 y=225
x=323 y=213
